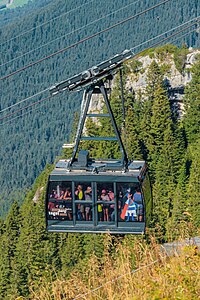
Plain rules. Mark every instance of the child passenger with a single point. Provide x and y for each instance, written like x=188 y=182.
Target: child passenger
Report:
x=105 y=197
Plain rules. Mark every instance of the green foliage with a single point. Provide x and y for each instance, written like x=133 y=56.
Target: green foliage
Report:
x=29 y=255
x=134 y=66
x=180 y=56
x=193 y=188
x=192 y=105
x=163 y=51
x=132 y=128
x=31 y=141
x=148 y=51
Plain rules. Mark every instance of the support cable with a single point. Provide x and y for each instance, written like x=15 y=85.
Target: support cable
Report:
x=45 y=23
x=28 y=98
x=22 y=115
x=65 y=35
x=174 y=34
x=84 y=40
x=20 y=109
x=196 y=19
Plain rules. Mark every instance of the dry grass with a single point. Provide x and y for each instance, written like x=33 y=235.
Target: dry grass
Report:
x=137 y=271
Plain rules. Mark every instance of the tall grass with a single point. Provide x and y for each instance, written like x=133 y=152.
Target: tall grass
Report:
x=136 y=270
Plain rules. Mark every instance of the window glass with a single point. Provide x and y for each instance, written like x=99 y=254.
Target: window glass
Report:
x=105 y=202
x=130 y=202
x=83 y=195
x=60 y=201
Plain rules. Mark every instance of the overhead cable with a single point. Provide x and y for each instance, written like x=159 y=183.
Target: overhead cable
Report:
x=51 y=20
x=84 y=40
x=159 y=42
x=22 y=115
x=20 y=109
x=67 y=34
x=28 y=98
x=172 y=29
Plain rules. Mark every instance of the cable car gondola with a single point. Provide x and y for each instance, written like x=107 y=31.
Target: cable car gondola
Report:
x=87 y=195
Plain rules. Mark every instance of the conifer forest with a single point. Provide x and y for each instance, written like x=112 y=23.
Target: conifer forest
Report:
x=45 y=42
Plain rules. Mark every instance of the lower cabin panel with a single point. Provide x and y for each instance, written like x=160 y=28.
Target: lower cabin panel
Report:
x=136 y=228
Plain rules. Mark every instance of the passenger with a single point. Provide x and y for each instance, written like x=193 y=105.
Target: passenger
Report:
x=124 y=199
x=111 y=196
x=61 y=195
x=105 y=197
x=50 y=206
x=130 y=209
x=128 y=191
x=88 y=197
x=68 y=204
x=52 y=195
x=79 y=196
x=68 y=194
x=137 y=196
x=100 y=210
x=120 y=203
x=138 y=199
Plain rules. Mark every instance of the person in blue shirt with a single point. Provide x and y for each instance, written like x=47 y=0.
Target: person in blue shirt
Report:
x=132 y=206
x=138 y=199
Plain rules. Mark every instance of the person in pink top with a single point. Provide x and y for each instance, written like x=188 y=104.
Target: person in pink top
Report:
x=105 y=197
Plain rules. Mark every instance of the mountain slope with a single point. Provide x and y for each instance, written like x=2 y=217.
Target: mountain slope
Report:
x=35 y=135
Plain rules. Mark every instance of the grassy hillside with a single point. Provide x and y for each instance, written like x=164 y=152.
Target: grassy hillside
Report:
x=135 y=271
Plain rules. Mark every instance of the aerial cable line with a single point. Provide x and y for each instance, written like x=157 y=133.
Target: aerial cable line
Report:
x=157 y=43
x=47 y=98
x=84 y=39
x=28 y=98
x=72 y=32
x=183 y=35
x=22 y=115
x=80 y=28
x=20 y=109
x=40 y=25
x=176 y=33
x=137 y=46
x=174 y=28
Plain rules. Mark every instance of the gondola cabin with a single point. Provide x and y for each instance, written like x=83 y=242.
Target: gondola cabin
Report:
x=96 y=196
x=99 y=197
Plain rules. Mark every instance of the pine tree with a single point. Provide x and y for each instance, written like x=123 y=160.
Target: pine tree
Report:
x=131 y=136
x=163 y=148
x=193 y=188
x=71 y=252
x=192 y=105
x=8 y=244
x=154 y=81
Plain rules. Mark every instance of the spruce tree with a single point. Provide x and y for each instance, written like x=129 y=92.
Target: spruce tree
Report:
x=8 y=249
x=193 y=188
x=192 y=105
x=131 y=136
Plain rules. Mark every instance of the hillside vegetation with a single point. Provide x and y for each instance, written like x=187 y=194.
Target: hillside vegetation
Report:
x=40 y=265
x=33 y=137
x=135 y=271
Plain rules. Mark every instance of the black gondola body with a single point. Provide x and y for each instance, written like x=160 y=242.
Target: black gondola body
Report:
x=95 y=196
x=96 y=213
